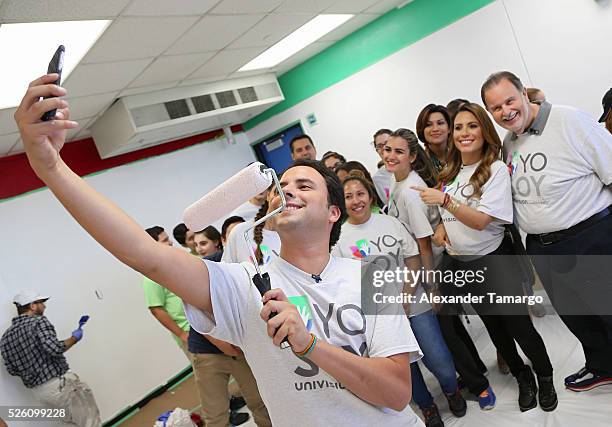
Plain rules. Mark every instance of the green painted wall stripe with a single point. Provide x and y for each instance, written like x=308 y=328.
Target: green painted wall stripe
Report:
x=380 y=38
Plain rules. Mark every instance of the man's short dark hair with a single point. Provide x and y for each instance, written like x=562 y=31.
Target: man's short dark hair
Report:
x=335 y=194
x=229 y=221
x=302 y=136
x=155 y=231
x=180 y=233
x=496 y=78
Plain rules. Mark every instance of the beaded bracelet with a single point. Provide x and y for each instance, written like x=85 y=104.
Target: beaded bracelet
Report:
x=446 y=200
x=309 y=347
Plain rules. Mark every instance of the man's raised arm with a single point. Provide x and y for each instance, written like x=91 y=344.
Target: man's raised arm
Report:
x=183 y=274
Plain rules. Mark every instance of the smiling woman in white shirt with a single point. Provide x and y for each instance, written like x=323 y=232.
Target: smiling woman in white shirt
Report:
x=475 y=203
x=384 y=240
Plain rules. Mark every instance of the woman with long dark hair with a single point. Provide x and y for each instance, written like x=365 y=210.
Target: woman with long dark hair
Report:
x=475 y=202
x=406 y=159
x=433 y=130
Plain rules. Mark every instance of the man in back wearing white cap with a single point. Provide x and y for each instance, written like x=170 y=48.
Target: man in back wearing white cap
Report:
x=31 y=350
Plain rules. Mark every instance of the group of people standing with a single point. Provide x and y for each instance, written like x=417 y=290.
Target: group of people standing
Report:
x=455 y=197
x=444 y=198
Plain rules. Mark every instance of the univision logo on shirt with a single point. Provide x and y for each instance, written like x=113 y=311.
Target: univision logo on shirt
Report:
x=446 y=187
x=361 y=250
x=302 y=304
x=512 y=162
x=265 y=252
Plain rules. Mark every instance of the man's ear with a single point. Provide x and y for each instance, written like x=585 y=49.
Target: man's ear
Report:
x=334 y=213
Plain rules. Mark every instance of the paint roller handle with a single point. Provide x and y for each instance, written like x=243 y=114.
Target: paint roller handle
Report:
x=262 y=283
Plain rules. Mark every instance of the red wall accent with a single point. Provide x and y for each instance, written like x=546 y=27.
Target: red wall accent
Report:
x=16 y=176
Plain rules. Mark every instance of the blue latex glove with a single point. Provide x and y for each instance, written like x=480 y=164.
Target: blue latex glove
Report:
x=77 y=334
x=83 y=320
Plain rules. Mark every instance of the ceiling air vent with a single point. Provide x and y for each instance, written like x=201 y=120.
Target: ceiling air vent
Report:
x=247 y=94
x=203 y=103
x=226 y=98
x=148 y=119
x=177 y=108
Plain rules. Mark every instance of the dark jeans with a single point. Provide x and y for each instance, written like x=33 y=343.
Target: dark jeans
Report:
x=466 y=357
x=505 y=323
x=577 y=275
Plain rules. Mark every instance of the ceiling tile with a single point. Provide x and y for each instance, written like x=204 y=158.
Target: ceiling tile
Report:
x=130 y=38
x=7 y=121
x=249 y=6
x=171 y=68
x=301 y=6
x=270 y=30
x=213 y=33
x=7 y=142
x=89 y=106
x=351 y=6
x=384 y=6
x=89 y=79
x=350 y=26
x=59 y=10
x=169 y=8
x=147 y=89
x=226 y=61
x=301 y=56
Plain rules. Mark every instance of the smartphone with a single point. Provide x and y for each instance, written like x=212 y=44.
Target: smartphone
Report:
x=83 y=320
x=55 y=66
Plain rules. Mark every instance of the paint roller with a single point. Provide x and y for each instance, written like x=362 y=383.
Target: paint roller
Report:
x=226 y=197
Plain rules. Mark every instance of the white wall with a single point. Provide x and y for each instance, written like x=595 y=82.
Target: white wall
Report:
x=125 y=353
x=562 y=43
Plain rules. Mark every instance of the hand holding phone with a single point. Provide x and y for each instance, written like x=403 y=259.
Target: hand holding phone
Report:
x=55 y=66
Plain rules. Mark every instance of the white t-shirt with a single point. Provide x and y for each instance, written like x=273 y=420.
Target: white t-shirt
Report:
x=406 y=205
x=296 y=391
x=236 y=249
x=246 y=211
x=559 y=177
x=495 y=201
x=383 y=179
x=382 y=240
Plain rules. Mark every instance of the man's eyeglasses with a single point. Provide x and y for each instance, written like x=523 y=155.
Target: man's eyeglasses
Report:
x=379 y=147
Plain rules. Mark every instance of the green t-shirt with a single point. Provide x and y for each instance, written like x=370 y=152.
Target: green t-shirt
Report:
x=158 y=296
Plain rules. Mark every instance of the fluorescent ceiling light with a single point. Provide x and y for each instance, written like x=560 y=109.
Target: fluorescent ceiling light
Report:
x=297 y=40
x=28 y=48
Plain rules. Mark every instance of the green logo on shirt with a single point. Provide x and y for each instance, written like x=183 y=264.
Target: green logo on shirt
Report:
x=303 y=305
